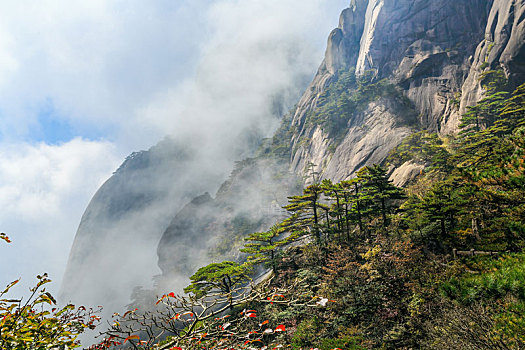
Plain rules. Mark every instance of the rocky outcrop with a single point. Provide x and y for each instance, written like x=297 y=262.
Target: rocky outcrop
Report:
x=501 y=48
x=118 y=234
x=369 y=138
x=341 y=53
x=433 y=51
x=406 y=172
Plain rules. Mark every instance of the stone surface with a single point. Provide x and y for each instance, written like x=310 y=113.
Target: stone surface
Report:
x=369 y=138
x=432 y=50
x=116 y=241
x=406 y=173
x=501 y=48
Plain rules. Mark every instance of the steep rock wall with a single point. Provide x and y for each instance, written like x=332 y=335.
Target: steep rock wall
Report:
x=433 y=51
x=501 y=48
x=118 y=234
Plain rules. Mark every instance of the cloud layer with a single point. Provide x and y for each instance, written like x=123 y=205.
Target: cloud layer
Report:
x=43 y=191
x=84 y=83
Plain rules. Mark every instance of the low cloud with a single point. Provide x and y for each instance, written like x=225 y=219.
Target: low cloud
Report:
x=43 y=191
x=123 y=74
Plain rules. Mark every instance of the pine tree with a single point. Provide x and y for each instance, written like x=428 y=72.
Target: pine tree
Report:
x=305 y=213
x=334 y=193
x=379 y=190
x=262 y=246
x=222 y=277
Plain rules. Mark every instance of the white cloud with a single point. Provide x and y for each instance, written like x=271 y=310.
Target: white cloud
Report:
x=130 y=71
x=104 y=63
x=43 y=191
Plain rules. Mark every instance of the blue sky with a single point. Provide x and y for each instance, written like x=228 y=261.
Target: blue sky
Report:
x=54 y=129
x=85 y=83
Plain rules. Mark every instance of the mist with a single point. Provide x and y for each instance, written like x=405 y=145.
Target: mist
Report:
x=94 y=81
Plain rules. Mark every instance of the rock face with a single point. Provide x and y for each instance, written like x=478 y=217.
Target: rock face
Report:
x=501 y=48
x=118 y=234
x=433 y=51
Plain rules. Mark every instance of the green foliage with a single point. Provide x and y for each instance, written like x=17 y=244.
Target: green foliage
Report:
x=305 y=213
x=497 y=279
x=424 y=148
x=347 y=95
x=222 y=276
x=378 y=191
x=350 y=343
x=38 y=323
x=262 y=246
x=493 y=80
x=303 y=335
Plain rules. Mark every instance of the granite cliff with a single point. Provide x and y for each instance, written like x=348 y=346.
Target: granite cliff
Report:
x=434 y=53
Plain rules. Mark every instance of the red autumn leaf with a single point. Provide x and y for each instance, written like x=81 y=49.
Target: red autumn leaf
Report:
x=131 y=337
x=171 y=295
x=4 y=237
x=265 y=322
x=175 y=348
x=280 y=328
x=251 y=315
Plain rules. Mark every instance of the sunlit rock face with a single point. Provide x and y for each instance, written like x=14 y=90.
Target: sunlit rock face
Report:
x=433 y=51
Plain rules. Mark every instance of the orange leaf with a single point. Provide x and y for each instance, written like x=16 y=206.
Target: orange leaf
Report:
x=131 y=337
x=158 y=301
